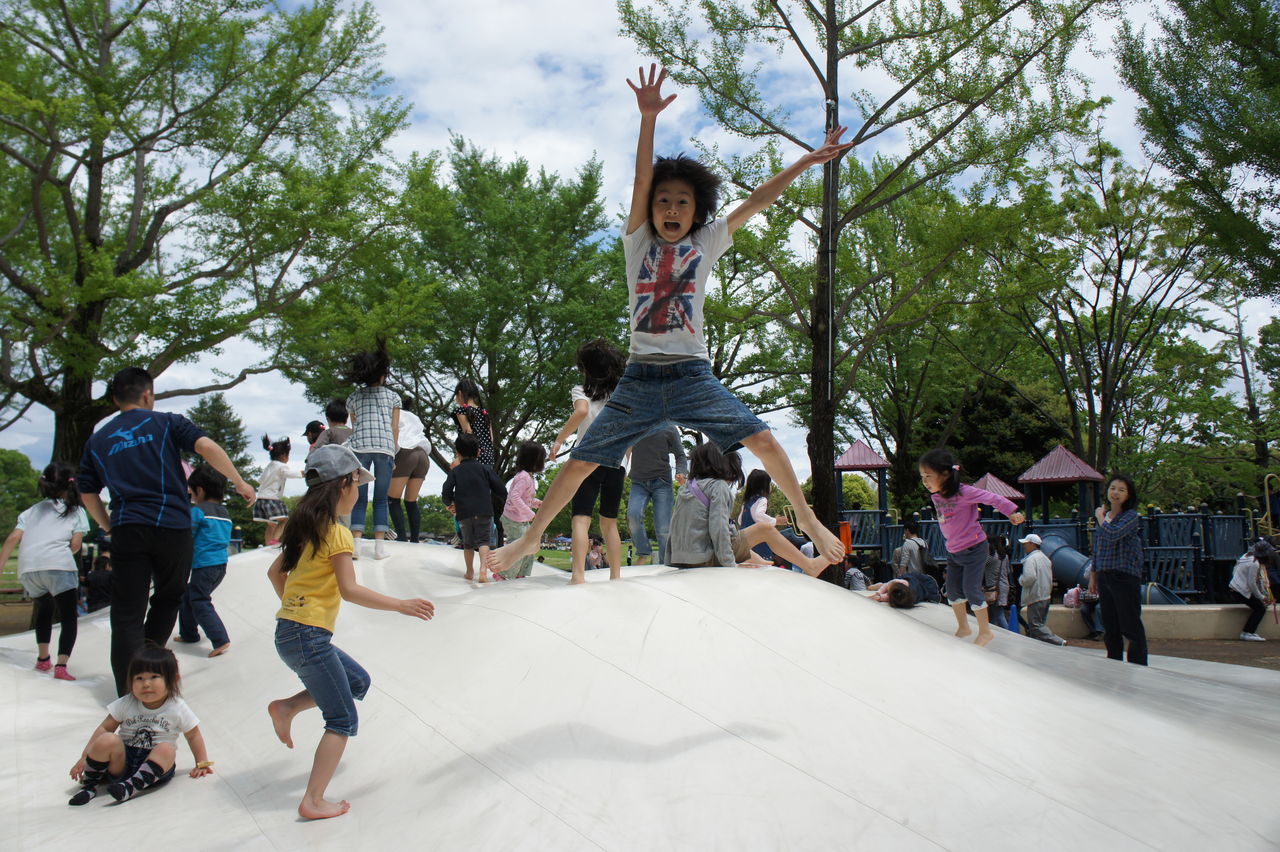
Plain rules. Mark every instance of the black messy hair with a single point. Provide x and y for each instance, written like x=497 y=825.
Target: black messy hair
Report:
x=467 y=445
x=128 y=385
x=278 y=450
x=470 y=392
x=336 y=411
x=532 y=457
x=942 y=461
x=208 y=480
x=705 y=183
x=707 y=462
x=602 y=366
x=901 y=596
x=370 y=368
x=58 y=482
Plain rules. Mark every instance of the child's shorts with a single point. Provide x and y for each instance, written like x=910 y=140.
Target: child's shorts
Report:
x=650 y=396
x=270 y=510
x=336 y=682
x=37 y=584
x=476 y=532
x=134 y=757
x=605 y=483
x=741 y=553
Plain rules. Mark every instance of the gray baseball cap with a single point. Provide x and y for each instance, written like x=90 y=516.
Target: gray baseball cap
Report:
x=331 y=462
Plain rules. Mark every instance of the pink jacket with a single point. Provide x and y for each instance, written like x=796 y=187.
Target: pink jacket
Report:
x=958 y=515
x=521 y=502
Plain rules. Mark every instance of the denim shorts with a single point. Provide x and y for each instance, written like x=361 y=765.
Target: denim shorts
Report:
x=334 y=680
x=37 y=584
x=650 y=396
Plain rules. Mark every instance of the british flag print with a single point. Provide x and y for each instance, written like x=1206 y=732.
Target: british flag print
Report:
x=665 y=288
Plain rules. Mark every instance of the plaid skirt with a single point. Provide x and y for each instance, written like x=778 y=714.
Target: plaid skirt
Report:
x=270 y=510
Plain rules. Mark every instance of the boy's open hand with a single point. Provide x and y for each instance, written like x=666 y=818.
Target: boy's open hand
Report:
x=649 y=99
x=831 y=148
x=77 y=771
x=417 y=608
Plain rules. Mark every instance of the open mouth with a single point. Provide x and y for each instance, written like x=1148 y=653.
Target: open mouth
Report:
x=671 y=227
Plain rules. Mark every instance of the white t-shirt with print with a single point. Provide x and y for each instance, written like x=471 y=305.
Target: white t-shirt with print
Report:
x=142 y=727
x=667 y=286
x=46 y=537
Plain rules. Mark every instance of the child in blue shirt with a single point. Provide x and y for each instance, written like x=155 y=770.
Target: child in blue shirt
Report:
x=671 y=244
x=210 y=536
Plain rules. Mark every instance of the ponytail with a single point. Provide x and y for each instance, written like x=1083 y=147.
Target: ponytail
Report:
x=58 y=482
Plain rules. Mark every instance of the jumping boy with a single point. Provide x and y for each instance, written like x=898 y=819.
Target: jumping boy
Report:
x=670 y=246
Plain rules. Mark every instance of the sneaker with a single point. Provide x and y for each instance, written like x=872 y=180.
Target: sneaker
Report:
x=1251 y=637
x=44 y=665
x=61 y=673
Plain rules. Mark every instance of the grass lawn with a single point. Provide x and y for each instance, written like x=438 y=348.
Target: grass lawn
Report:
x=555 y=558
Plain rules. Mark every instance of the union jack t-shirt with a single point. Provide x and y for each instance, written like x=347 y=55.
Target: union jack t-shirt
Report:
x=666 y=288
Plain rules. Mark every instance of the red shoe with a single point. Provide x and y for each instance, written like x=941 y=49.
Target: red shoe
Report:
x=60 y=673
x=44 y=665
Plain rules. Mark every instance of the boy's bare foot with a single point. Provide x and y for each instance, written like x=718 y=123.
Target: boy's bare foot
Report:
x=827 y=543
x=185 y=641
x=576 y=578
x=322 y=809
x=282 y=720
x=468 y=576
x=984 y=637
x=504 y=558
x=963 y=632
x=220 y=650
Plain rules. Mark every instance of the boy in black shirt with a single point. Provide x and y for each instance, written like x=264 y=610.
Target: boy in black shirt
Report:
x=470 y=491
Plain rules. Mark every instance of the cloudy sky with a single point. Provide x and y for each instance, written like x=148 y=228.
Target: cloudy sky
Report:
x=542 y=80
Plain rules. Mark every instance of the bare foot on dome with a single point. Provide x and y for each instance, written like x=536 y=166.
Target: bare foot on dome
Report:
x=220 y=650
x=963 y=632
x=984 y=636
x=322 y=809
x=282 y=720
x=505 y=557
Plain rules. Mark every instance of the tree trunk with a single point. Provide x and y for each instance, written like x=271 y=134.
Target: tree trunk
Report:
x=822 y=423
x=74 y=419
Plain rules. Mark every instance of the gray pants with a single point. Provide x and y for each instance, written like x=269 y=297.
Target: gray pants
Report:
x=513 y=530
x=1034 y=617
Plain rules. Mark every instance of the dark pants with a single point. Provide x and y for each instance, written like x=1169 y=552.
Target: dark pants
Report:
x=68 y=620
x=143 y=555
x=197 y=607
x=1257 y=609
x=1121 y=601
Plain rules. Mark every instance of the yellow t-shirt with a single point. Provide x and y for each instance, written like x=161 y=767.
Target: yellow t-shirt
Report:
x=311 y=589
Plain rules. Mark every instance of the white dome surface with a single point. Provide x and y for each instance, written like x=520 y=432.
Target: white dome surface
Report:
x=711 y=709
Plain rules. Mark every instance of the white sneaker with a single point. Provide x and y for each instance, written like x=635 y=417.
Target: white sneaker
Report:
x=1251 y=637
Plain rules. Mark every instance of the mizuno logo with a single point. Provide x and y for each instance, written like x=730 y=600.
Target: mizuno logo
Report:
x=127 y=440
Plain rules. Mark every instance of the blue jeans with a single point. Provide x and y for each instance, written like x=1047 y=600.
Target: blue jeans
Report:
x=659 y=491
x=334 y=680
x=650 y=396
x=381 y=465
x=197 y=607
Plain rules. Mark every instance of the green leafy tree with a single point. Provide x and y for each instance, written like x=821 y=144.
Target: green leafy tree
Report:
x=215 y=416
x=172 y=175
x=1209 y=101
x=501 y=276
x=17 y=487
x=960 y=89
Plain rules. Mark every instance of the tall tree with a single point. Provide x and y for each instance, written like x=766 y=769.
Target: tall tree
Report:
x=1113 y=288
x=215 y=416
x=958 y=88
x=17 y=486
x=499 y=277
x=172 y=174
x=1209 y=101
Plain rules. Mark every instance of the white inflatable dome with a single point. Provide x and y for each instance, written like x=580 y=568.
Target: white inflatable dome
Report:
x=712 y=709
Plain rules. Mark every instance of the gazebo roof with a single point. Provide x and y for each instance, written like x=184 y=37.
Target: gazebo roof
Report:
x=860 y=457
x=996 y=485
x=1060 y=465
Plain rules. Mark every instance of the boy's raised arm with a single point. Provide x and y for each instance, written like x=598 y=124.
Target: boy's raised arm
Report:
x=769 y=191
x=650 y=102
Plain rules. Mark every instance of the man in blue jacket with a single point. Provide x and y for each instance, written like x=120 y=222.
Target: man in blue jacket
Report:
x=135 y=456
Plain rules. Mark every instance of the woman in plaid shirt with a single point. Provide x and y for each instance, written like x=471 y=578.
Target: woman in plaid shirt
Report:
x=375 y=418
x=1117 y=571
